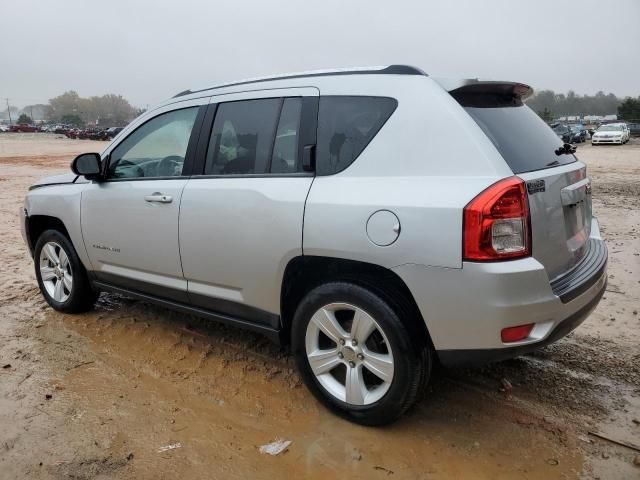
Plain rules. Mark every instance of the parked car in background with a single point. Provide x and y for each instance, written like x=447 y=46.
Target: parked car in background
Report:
x=564 y=132
x=612 y=133
x=112 y=132
x=72 y=133
x=382 y=262
x=86 y=133
x=4 y=128
x=95 y=134
x=634 y=129
x=627 y=132
x=24 y=128
x=579 y=134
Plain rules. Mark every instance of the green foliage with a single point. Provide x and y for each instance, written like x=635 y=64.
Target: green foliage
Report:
x=37 y=111
x=629 y=109
x=546 y=115
x=573 y=104
x=24 y=118
x=73 y=120
x=107 y=110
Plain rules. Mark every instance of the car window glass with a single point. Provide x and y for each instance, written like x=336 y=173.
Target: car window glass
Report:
x=242 y=137
x=285 y=147
x=346 y=125
x=156 y=149
x=523 y=139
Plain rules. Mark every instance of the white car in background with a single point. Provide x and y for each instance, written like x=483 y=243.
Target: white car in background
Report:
x=613 y=133
x=627 y=131
x=4 y=128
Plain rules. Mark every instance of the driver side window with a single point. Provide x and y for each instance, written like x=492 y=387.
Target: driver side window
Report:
x=156 y=149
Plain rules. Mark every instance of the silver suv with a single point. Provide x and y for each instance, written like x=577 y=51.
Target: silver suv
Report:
x=376 y=220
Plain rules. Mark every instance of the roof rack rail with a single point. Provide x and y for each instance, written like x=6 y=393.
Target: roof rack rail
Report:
x=384 y=70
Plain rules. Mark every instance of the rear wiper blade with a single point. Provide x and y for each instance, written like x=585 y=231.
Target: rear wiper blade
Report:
x=566 y=149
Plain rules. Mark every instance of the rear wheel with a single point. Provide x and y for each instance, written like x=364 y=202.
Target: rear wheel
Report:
x=61 y=276
x=356 y=355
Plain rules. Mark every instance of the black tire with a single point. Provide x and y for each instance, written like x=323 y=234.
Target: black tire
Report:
x=82 y=297
x=411 y=357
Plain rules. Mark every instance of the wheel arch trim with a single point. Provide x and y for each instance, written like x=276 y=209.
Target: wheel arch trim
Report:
x=305 y=272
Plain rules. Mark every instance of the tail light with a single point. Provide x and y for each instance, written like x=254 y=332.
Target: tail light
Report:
x=496 y=224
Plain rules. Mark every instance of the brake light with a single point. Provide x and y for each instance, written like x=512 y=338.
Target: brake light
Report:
x=496 y=224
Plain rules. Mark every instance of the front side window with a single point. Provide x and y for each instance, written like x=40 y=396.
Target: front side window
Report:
x=242 y=137
x=156 y=149
x=346 y=125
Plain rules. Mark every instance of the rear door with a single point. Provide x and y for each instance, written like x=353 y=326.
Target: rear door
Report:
x=559 y=191
x=241 y=218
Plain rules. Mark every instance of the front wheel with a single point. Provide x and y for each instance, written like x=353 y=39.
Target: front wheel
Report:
x=61 y=276
x=356 y=355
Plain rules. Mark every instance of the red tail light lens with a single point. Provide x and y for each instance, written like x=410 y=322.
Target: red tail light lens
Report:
x=496 y=224
x=515 y=334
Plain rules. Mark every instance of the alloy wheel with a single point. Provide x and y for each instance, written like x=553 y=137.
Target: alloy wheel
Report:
x=349 y=354
x=55 y=272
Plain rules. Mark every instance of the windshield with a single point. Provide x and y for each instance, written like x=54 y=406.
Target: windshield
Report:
x=610 y=128
x=521 y=136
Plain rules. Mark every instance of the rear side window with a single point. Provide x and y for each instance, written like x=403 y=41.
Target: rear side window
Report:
x=523 y=139
x=242 y=137
x=346 y=125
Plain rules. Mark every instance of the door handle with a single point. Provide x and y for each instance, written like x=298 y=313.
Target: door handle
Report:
x=158 y=198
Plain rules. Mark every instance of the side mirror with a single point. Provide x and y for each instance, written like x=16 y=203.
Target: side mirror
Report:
x=87 y=165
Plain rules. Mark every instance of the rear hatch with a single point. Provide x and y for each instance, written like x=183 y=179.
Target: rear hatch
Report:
x=557 y=186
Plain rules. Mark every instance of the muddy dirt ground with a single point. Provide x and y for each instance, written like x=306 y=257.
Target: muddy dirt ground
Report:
x=98 y=395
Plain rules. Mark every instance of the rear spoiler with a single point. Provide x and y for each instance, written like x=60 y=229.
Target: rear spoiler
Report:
x=478 y=93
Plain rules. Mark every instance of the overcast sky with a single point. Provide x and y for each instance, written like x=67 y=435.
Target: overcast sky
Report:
x=148 y=50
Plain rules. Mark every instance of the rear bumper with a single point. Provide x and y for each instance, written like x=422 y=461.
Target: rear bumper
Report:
x=466 y=309
x=584 y=274
x=453 y=358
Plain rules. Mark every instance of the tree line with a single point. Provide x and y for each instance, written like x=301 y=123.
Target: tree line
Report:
x=108 y=110
x=550 y=105
x=114 y=110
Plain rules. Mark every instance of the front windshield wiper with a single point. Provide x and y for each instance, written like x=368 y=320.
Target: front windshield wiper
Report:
x=566 y=149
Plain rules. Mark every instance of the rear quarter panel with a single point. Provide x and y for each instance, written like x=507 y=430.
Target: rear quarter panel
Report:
x=426 y=163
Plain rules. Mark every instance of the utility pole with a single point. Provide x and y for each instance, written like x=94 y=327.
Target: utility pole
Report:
x=33 y=120
x=9 y=112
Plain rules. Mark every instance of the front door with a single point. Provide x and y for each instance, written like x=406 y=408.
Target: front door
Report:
x=130 y=220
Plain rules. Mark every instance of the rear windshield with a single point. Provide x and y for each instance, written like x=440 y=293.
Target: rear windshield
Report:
x=522 y=138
